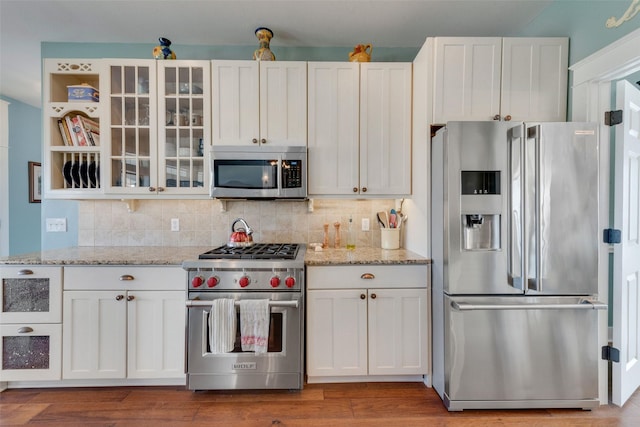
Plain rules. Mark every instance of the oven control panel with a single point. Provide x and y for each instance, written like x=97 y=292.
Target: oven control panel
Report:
x=209 y=279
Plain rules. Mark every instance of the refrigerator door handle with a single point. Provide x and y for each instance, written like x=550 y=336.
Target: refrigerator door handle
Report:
x=582 y=305
x=516 y=250
x=534 y=263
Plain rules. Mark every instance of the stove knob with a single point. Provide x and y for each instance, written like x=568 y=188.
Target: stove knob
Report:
x=290 y=282
x=244 y=281
x=197 y=281
x=213 y=281
x=275 y=281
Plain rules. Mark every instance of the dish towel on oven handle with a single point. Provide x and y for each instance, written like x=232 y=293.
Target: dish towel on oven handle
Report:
x=222 y=325
x=254 y=325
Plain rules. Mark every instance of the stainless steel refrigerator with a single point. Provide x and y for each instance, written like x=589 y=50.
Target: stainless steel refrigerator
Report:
x=515 y=265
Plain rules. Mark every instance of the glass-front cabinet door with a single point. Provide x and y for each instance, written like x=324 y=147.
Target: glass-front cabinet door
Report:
x=129 y=87
x=184 y=123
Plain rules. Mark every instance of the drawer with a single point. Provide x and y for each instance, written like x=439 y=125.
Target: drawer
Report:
x=124 y=277
x=31 y=351
x=30 y=293
x=368 y=276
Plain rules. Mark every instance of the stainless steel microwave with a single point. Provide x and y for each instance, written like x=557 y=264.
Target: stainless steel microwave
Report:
x=265 y=172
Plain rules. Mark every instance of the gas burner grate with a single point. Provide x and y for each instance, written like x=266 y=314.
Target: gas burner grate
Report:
x=256 y=251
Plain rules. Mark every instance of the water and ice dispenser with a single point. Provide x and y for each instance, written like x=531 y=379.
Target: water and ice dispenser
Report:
x=479 y=211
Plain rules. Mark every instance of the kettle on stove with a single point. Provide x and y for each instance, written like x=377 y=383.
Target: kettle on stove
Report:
x=241 y=237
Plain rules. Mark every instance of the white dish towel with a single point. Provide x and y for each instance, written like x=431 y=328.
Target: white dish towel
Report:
x=254 y=325
x=222 y=325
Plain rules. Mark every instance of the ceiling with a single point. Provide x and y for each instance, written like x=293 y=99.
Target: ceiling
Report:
x=24 y=24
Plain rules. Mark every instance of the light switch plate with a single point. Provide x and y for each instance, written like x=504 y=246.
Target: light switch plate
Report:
x=365 y=224
x=56 y=225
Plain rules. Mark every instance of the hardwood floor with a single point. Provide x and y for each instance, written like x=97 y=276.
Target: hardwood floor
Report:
x=363 y=404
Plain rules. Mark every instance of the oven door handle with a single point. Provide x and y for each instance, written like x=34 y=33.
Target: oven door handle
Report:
x=207 y=303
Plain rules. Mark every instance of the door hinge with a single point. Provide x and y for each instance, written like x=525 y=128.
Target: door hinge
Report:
x=610 y=353
x=612 y=118
x=611 y=235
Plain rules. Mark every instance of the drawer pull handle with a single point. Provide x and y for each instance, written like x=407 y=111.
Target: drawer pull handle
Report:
x=362 y=296
x=25 y=272
x=368 y=276
x=119 y=297
x=25 y=330
x=126 y=277
x=373 y=296
x=130 y=297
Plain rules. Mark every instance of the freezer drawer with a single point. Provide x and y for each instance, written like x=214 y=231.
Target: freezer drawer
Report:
x=516 y=351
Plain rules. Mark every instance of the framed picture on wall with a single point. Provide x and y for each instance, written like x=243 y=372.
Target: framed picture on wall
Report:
x=35 y=182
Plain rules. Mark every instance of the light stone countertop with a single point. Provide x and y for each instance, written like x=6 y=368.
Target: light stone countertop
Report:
x=174 y=255
x=363 y=256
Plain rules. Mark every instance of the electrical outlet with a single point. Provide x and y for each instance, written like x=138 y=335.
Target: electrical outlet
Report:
x=365 y=224
x=56 y=225
x=175 y=224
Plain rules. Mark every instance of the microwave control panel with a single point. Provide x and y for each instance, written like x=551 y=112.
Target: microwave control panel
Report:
x=291 y=173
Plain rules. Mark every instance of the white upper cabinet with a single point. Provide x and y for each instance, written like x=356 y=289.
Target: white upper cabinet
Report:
x=258 y=102
x=385 y=128
x=359 y=129
x=534 y=79
x=492 y=78
x=184 y=126
x=467 y=78
x=334 y=127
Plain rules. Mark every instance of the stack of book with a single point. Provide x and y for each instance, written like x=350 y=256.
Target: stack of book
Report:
x=78 y=130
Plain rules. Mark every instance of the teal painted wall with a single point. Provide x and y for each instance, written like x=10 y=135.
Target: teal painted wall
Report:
x=25 y=124
x=583 y=22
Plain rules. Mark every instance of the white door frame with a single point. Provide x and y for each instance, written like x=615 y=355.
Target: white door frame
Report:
x=4 y=178
x=590 y=98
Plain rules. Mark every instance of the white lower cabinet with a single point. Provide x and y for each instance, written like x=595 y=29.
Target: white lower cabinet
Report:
x=367 y=333
x=132 y=332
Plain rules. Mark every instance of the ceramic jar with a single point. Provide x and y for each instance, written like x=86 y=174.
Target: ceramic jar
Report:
x=263 y=53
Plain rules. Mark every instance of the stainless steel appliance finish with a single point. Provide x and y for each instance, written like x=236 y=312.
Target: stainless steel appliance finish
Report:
x=262 y=271
x=265 y=172
x=514 y=244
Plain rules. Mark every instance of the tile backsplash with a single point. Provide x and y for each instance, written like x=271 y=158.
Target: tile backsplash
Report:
x=204 y=223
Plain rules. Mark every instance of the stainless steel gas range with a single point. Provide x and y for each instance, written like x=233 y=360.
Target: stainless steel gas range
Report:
x=273 y=272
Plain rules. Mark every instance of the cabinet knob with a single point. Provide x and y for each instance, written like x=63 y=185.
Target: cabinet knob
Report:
x=363 y=296
x=160 y=189
x=119 y=297
x=364 y=189
x=152 y=189
x=130 y=297
x=126 y=277
x=368 y=276
x=355 y=189
x=25 y=330
x=25 y=272
x=496 y=117
x=254 y=140
x=507 y=118
x=263 y=141
x=373 y=296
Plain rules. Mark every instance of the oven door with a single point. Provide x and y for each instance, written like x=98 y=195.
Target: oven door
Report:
x=279 y=367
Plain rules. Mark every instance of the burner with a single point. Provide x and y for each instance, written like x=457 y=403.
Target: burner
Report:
x=256 y=251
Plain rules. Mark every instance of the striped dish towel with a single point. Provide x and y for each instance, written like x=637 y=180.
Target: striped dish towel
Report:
x=222 y=325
